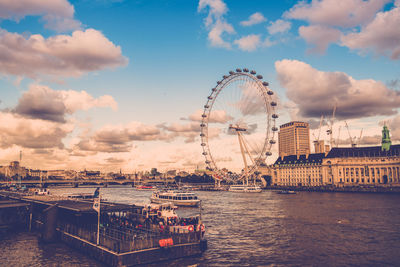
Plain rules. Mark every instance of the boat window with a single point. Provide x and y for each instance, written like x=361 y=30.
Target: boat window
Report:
x=170 y=197
x=174 y=198
x=179 y=198
x=195 y=197
x=189 y=197
x=184 y=198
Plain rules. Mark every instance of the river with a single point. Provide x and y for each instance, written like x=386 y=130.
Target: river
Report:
x=259 y=229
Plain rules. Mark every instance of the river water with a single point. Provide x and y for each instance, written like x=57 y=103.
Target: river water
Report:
x=264 y=229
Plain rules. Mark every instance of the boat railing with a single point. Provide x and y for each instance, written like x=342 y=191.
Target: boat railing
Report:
x=124 y=238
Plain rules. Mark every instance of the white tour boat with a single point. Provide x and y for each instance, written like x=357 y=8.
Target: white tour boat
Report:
x=178 y=198
x=245 y=188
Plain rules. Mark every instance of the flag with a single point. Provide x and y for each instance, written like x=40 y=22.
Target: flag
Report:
x=96 y=204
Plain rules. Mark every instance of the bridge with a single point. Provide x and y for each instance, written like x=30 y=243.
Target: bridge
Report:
x=77 y=182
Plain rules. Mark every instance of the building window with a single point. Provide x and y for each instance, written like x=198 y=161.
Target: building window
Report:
x=362 y=180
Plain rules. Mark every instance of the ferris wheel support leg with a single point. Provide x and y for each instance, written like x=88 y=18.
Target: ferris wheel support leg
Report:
x=244 y=156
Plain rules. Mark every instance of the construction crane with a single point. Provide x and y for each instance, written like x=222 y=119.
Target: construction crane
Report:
x=317 y=145
x=330 y=126
x=359 y=138
x=316 y=139
x=352 y=140
x=338 y=137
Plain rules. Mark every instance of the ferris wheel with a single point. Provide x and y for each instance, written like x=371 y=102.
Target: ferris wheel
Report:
x=238 y=125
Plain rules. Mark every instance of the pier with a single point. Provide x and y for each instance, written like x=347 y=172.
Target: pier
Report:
x=126 y=237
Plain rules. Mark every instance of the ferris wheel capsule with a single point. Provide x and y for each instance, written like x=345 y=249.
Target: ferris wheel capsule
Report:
x=253 y=72
x=273 y=104
x=265 y=83
x=231 y=72
x=270 y=92
x=275 y=116
x=272 y=142
x=259 y=76
x=224 y=76
x=238 y=70
x=268 y=153
x=245 y=70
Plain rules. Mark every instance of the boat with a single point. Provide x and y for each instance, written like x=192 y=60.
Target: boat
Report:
x=176 y=197
x=80 y=196
x=286 y=192
x=42 y=192
x=245 y=188
x=145 y=187
x=165 y=217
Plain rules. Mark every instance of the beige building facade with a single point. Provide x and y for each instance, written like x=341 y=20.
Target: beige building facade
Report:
x=294 y=138
x=353 y=166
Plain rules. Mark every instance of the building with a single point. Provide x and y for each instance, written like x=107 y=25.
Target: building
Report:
x=298 y=170
x=14 y=170
x=320 y=147
x=294 y=138
x=345 y=166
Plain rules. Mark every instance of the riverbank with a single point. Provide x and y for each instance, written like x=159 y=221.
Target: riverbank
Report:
x=346 y=189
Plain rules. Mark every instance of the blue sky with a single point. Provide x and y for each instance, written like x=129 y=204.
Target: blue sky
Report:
x=139 y=67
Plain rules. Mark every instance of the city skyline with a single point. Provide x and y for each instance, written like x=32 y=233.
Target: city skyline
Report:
x=121 y=84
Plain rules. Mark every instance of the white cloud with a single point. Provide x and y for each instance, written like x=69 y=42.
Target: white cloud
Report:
x=256 y=18
x=58 y=14
x=60 y=55
x=349 y=13
x=215 y=22
x=42 y=102
x=215 y=34
x=382 y=35
x=320 y=36
x=316 y=92
x=31 y=133
x=217 y=8
x=279 y=26
x=394 y=128
x=248 y=43
x=216 y=116
x=267 y=42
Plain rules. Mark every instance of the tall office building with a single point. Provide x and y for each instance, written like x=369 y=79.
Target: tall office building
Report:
x=294 y=138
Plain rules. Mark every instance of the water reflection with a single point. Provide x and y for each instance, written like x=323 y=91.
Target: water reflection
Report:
x=264 y=229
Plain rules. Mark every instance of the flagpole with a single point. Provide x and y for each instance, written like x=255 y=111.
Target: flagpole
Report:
x=98 y=222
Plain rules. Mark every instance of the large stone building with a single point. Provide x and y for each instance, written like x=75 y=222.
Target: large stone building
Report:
x=294 y=138
x=346 y=166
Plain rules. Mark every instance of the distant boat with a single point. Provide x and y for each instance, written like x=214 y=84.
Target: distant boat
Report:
x=145 y=187
x=245 y=188
x=178 y=198
x=286 y=192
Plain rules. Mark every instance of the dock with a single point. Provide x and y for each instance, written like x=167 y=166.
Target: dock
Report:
x=126 y=237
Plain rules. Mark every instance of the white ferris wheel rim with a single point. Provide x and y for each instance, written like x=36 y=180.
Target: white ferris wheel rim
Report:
x=270 y=130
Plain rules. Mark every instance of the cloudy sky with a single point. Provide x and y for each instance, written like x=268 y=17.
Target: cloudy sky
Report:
x=110 y=84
